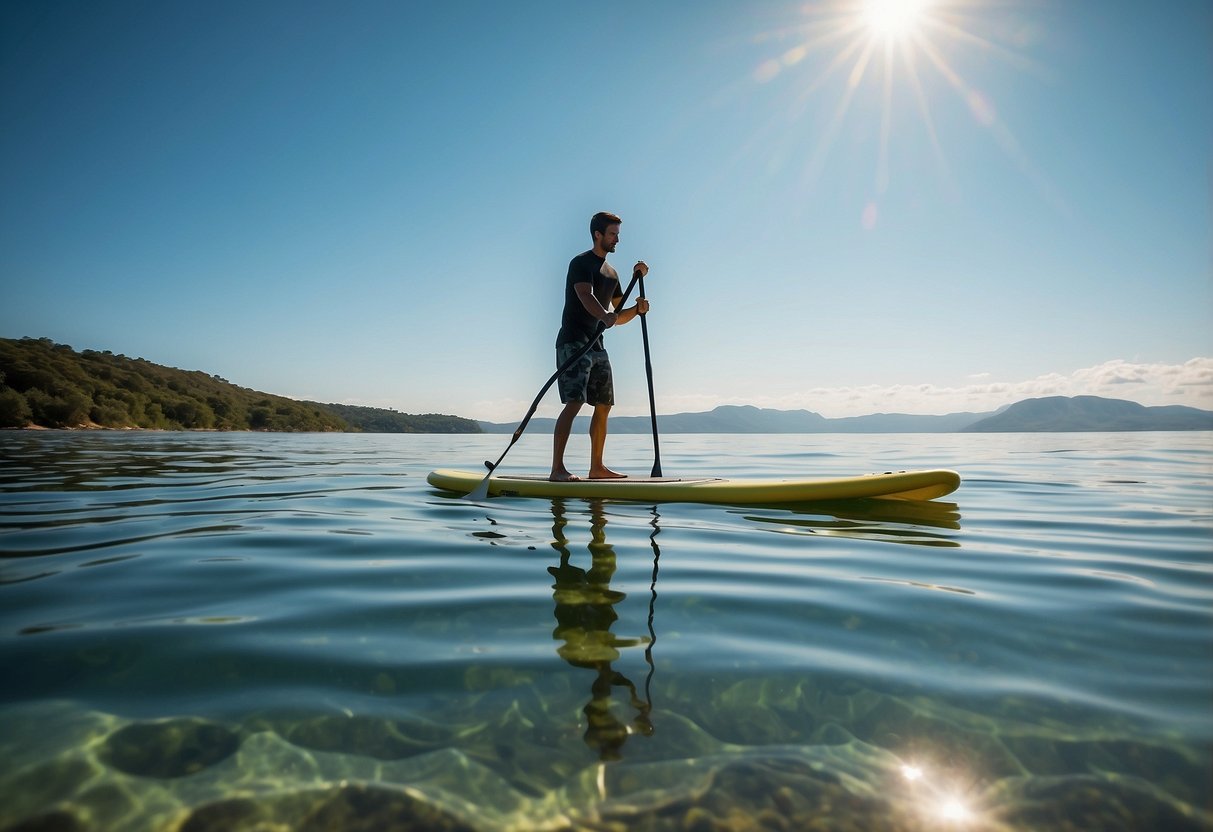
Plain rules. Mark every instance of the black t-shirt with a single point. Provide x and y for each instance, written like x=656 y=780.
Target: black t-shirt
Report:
x=576 y=324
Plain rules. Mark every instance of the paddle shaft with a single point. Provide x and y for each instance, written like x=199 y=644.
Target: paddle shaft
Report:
x=648 y=371
x=648 y=650
x=482 y=490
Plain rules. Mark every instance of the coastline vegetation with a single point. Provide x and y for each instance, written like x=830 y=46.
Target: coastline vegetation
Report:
x=44 y=384
x=379 y=420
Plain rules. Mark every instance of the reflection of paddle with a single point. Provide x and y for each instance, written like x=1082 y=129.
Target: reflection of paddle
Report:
x=648 y=650
x=481 y=492
x=648 y=370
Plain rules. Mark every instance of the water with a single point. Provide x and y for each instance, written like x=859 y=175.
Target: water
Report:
x=294 y=632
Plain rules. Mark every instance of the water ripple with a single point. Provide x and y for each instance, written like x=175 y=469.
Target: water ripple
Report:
x=1053 y=620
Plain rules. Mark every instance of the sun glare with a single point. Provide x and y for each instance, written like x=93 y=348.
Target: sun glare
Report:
x=897 y=53
x=893 y=19
x=953 y=810
x=931 y=795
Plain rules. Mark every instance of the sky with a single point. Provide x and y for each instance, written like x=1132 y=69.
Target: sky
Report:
x=928 y=208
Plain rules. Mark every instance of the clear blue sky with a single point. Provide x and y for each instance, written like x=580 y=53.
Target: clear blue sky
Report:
x=376 y=202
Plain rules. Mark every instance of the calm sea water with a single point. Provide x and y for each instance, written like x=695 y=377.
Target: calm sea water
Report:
x=295 y=632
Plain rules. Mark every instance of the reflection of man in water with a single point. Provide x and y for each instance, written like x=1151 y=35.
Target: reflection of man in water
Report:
x=585 y=611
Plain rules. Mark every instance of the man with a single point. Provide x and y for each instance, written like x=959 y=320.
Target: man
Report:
x=591 y=291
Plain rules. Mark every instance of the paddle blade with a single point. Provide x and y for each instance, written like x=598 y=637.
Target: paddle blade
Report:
x=480 y=492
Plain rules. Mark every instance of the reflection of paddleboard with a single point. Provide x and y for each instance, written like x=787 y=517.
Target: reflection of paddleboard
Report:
x=901 y=485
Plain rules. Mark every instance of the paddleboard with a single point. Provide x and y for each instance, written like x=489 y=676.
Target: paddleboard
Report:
x=898 y=485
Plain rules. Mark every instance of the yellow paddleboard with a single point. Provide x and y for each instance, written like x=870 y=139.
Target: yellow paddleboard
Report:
x=900 y=485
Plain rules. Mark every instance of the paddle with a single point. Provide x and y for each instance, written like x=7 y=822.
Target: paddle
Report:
x=648 y=371
x=648 y=650
x=481 y=492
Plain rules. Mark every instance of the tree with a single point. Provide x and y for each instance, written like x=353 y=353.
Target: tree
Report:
x=110 y=414
x=259 y=418
x=58 y=411
x=14 y=410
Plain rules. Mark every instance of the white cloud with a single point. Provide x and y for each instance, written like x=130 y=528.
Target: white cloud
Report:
x=1190 y=383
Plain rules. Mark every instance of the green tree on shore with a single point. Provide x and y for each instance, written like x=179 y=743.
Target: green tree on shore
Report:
x=51 y=385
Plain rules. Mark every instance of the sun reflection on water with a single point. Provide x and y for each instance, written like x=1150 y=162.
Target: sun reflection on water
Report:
x=935 y=795
x=953 y=810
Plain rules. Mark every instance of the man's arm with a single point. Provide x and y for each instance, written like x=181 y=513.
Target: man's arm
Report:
x=622 y=316
x=585 y=293
x=625 y=315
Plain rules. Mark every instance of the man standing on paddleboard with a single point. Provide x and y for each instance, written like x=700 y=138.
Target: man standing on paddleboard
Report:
x=591 y=291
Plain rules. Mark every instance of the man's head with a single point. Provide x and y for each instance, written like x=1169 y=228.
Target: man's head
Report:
x=604 y=229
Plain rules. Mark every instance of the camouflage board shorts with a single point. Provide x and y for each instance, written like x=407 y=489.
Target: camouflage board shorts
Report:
x=589 y=379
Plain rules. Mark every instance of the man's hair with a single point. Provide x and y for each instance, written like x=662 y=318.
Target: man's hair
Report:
x=600 y=221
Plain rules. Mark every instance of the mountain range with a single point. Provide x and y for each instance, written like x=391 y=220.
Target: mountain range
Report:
x=45 y=384
x=1051 y=414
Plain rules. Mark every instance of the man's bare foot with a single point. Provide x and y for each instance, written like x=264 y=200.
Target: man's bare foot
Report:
x=605 y=473
x=563 y=476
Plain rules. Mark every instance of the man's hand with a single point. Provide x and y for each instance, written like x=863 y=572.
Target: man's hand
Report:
x=641 y=267
x=642 y=306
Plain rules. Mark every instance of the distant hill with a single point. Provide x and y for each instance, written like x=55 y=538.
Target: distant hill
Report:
x=51 y=385
x=379 y=420
x=1083 y=413
x=748 y=419
x=729 y=419
x=1091 y=413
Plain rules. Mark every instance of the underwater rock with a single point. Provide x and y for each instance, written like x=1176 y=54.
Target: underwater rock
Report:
x=764 y=794
x=41 y=787
x=751 y=786
x=1167 y=767
x=1109 y=803
x=52 y=822
x=221 y=816
x=173 y=748
x=383 y=739
x=358 y=808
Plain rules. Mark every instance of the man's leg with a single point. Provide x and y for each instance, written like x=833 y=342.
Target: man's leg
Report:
x=560 y=438
x=598 y=435
x=572 y=384
x=600 y=392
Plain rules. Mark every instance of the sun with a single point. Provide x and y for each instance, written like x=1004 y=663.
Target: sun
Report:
x=893 y=19
x=896 y=52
